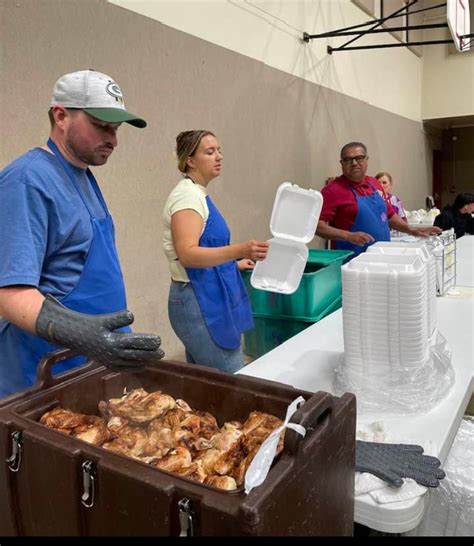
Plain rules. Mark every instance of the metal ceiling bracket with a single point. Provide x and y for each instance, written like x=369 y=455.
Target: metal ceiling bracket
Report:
x=350 y=31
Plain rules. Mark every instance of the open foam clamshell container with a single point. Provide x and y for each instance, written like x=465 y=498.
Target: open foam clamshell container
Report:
x=53 y=484
x=293 y=224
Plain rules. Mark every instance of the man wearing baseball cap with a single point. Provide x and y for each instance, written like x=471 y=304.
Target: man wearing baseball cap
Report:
x=61 y=283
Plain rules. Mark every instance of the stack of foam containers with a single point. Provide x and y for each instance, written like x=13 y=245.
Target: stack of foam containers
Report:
x=420 y=249
x=385 y=305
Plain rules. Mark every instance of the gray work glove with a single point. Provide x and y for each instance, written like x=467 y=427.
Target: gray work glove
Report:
x=95 y=337
x=392 y=462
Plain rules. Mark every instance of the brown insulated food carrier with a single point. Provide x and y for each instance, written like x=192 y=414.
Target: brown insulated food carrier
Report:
x=53 y=484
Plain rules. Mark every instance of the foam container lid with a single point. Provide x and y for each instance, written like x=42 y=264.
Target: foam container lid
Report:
x=399 y=247
x=295 y=213
x=385 y=263
x=293 y=223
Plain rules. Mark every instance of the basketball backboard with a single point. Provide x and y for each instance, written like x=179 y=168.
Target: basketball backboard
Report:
x=459 y=23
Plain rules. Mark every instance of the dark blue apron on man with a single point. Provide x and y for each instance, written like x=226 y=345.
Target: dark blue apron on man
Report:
x=220 y=290
x=100 y=290
x=371 y=218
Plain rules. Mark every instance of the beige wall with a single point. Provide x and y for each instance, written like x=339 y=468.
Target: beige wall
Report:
x=457 y=163
x=270 y=31
x=448 y=80
x=273 y=126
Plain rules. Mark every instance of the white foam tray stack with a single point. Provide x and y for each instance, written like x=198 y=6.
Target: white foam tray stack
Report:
x=386 y=339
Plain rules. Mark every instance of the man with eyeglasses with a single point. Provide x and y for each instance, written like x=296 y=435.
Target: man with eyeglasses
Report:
x=354 y=213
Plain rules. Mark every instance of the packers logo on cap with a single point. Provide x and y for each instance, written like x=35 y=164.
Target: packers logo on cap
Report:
x=114 y=90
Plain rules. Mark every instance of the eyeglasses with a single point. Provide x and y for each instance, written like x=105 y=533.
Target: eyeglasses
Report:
x=357 y=159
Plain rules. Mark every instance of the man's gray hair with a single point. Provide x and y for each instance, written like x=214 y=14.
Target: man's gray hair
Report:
x=353 y=145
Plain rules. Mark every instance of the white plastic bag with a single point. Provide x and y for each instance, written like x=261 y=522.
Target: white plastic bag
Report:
x=261 y=463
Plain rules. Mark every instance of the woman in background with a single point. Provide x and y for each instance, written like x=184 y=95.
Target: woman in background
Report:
x=386 y=182
x=458 y=215
x=208 y=306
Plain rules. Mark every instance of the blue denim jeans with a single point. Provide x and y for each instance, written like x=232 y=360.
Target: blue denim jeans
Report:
x=188 y=324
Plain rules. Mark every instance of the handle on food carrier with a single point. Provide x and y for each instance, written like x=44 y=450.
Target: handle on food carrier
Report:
x=44 y=376
x=314 y=415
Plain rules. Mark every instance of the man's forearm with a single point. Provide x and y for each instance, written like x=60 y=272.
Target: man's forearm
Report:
x=21 y=306
x=326 y=231
x=395 y=222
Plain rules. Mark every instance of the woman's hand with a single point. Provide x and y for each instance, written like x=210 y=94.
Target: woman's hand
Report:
x=244 y=264
x=255 y=250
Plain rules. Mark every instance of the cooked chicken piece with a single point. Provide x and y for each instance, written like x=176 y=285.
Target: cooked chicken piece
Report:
x=225 y=439
x=260 y=420
x=117 y=424
x=171 y=419
x=94 y=431
x=222 y=462
x=258 y=427
x=60 y=418
x=182 y=404
x=140 y=407
x=239 y=471
x=255 y=431
x=175 y=460
x=208 y=425
x=232 y=425
x=193 y=472
x=136 y=395
x=222 y=482
x=256 y=438
x=159 y=442
x=202 y=427
x=201 y=444
x=131 y=442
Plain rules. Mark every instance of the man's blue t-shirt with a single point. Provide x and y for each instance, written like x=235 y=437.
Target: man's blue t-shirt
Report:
x=45 y=225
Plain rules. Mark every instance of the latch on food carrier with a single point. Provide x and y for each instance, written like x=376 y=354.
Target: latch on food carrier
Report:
x=88 y=481
x=185 y=518
x=14 y=460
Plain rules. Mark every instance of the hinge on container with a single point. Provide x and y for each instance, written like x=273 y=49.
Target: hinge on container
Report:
x=88 y=481
x=14 y=460
x=185 y=518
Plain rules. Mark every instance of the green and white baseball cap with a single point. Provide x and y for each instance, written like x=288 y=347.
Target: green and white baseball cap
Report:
x=95 y=93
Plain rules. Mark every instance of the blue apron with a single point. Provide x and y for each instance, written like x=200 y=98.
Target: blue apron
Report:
x=220 y=290
x=100 y=289
x=371 y=218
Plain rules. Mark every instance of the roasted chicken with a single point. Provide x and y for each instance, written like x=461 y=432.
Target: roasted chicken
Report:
x=138 y=406
x=168 y=434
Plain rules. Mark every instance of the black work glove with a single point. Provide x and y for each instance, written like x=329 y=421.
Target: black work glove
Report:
x=94 y=336
x=392 y=462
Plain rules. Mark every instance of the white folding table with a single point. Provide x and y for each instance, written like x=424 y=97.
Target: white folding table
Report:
x=309 y=359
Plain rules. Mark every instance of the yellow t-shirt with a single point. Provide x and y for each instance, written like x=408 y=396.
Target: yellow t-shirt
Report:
x=185 y=195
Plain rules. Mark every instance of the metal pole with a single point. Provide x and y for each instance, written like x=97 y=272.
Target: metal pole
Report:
x=307 y=37
x=395 y=13
x=381 y=30
x=380 y=46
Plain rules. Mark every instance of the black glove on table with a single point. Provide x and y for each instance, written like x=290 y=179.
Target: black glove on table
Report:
x=95 y=337
x=392 y=462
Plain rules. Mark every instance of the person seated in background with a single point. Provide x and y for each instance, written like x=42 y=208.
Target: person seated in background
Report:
x=355 y=213
x=386 y=181
x=458 y=215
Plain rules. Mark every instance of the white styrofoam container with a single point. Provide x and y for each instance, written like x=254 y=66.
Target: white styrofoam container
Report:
x=384 y=264
x=293 y=224
x=418 y=248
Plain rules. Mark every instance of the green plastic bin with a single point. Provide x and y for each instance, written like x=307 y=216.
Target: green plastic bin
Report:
x=320 y=287
x=269 y=332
